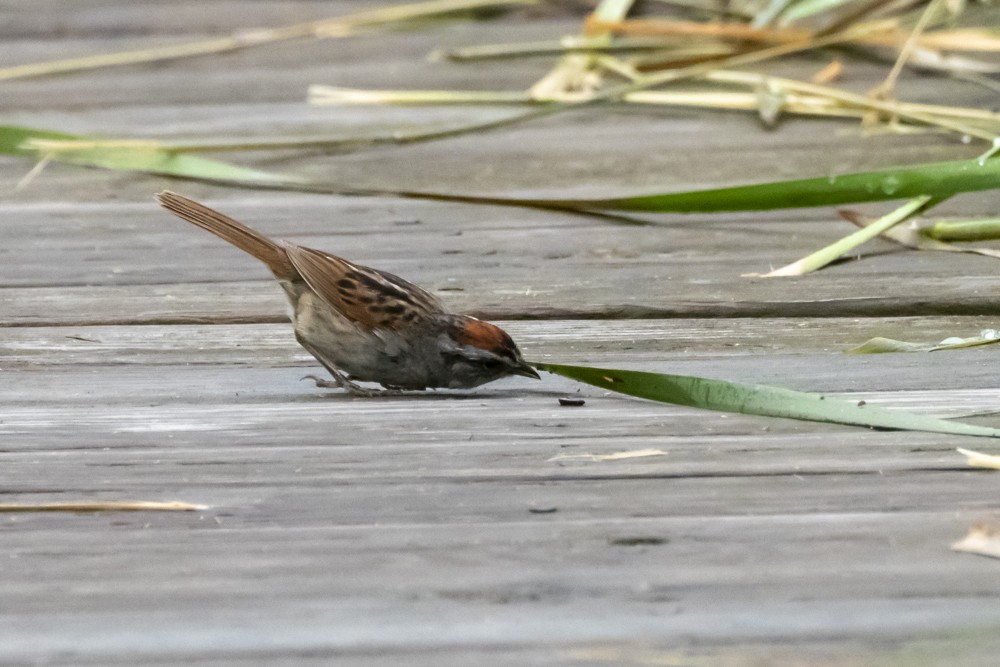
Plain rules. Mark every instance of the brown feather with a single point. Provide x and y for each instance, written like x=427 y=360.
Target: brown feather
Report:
x=485 y=336
x=241 y=236
x=370 y=298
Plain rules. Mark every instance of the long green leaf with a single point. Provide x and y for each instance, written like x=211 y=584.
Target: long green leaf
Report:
x=143 y=156
x=936 y=179
x=12 y=138
x=757 y=400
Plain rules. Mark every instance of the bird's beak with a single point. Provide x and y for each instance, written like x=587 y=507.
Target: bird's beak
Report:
x=525 y=369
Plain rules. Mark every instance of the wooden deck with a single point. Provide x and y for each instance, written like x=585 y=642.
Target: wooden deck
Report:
x=142 y=359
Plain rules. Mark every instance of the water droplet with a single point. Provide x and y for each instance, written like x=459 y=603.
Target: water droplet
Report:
x=890 y=185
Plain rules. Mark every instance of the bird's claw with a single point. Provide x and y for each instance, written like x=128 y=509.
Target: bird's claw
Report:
x=351 y=388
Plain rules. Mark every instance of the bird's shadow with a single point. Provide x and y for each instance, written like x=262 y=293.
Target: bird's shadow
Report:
x=437 y=395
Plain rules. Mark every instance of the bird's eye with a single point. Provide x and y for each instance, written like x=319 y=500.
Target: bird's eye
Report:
x=492 y=364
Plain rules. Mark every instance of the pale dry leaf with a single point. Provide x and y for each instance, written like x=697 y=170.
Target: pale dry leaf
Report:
x=828 y=74
x=574 y=79
x=616 y=456
x=982 y=540
x=103 y=506
x=980 y=460
x=912 y=235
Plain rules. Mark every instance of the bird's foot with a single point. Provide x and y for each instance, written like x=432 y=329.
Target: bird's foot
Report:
x=351 y=388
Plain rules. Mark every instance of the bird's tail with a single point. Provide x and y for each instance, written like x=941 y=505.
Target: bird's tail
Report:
x=241 y=236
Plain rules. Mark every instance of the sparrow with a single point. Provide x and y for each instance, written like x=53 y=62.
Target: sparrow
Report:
x=367 y=325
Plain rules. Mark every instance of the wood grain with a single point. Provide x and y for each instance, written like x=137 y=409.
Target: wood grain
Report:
x=141 y=359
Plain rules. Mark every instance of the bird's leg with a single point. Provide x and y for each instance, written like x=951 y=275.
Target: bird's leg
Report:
x=352 y=388
x=340 y=381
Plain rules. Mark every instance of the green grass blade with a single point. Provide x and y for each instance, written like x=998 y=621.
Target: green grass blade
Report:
x=937 y=179
x=158 y=161
x=142 y=156
x=13 y=138
x=926 y=235
x=880 y=345
x=824 y=256
x=757 y=400
x=984 y=229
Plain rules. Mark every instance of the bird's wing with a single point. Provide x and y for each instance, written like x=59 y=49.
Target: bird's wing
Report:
x=372 y=299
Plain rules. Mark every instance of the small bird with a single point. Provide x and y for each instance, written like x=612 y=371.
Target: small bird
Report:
x=368 y=325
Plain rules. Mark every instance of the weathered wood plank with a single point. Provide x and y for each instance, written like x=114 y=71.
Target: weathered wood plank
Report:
x=483 y=263
x=151 y=409
x=790 y=547
x=263 y=302
x=579 y=586
x=594 y=341
x=142 y=359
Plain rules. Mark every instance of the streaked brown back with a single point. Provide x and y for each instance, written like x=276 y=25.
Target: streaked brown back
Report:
x=370 y=298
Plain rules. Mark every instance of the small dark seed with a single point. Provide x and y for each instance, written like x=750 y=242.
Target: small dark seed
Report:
x=640 y=541
x=574 y=402
x=543 y=510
